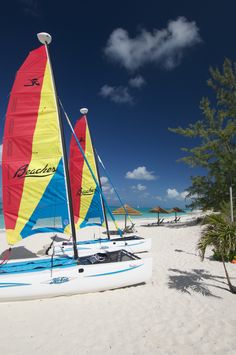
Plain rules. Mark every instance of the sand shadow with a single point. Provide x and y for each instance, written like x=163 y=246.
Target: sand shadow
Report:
x=173 y=224
x=18 y=253
x=47 y=247
x=194 y=222
x=152 y=225
x=58 y=239
x=112 y=232
x=115 y=232
x=186 y=252
x=196 y=281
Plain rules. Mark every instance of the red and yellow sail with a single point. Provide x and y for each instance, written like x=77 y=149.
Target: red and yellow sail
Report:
x=86 y=198
x=34 y=188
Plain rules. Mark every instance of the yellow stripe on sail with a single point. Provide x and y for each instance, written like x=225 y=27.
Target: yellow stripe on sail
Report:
x=46 y=150
x=88 y=182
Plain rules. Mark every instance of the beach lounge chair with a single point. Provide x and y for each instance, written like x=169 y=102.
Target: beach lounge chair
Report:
x=129 y=229
x=158 y=223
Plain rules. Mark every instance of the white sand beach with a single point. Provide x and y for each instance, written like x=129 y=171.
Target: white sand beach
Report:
x=185 y=309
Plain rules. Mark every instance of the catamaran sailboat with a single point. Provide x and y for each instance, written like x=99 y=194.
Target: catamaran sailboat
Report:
x=36 y=189
x=89 y=202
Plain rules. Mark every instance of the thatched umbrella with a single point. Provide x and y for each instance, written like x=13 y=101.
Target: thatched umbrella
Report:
x=158 y=210
x=176 y=210
x=126 y=210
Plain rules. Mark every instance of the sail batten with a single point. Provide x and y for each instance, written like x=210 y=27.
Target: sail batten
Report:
x=32 y=163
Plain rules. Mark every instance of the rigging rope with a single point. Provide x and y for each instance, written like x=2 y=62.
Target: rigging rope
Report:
x=6 y=258
x=91 y=171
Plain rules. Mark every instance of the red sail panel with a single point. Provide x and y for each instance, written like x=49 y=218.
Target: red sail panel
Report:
x=21 y=119
x=76 y=164
x=87 y=203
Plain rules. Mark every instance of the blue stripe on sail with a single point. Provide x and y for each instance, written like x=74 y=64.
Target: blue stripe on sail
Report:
x=52 y=204
x=95 y=211
x=115 y=272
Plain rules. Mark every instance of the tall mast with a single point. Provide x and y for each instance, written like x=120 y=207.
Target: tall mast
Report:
x=91 y=171
x=46 y=39
x=84 y=112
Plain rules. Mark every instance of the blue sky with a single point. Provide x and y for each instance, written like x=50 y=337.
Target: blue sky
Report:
x=139 y=67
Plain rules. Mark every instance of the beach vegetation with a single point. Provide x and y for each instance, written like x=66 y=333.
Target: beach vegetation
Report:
x=220 y=234
x=215 y=141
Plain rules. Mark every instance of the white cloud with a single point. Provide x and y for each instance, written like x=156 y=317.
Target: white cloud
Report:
x=183 y=195
x=172 y=193
x=175 y=195
x=139 y=187
x=158 y=198
x=104 y=180
x=119 y=94
x=106 y=187
x=137 y=82
x=163 y=47
x=140 y=173
x=0 y=154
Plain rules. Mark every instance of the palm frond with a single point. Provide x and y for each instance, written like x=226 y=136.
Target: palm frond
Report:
x=218 y=233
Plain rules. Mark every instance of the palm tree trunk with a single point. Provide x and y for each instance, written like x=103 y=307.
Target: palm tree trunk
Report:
x=231 y=287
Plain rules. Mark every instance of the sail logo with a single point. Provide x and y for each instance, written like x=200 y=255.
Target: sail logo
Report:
x=86 y=192
x=33 y=82
x=24 y=172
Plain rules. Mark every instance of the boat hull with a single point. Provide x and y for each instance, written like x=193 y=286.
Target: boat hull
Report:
x=75 y=279
x=132 y=245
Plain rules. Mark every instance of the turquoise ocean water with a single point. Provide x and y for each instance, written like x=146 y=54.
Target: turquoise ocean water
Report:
x=145 y=214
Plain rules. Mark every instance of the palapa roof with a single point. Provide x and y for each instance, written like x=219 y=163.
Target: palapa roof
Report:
x=130 y=210
x=176 y=209
x=158 y=209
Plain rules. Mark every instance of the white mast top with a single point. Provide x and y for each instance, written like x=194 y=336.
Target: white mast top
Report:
x=44 y=37
x=84 y=111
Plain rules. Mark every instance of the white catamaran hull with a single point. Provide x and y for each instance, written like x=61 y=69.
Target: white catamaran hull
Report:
x=132 y=245
x=74 y=280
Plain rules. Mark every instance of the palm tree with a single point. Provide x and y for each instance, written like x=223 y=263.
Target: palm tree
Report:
x=221 y=234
